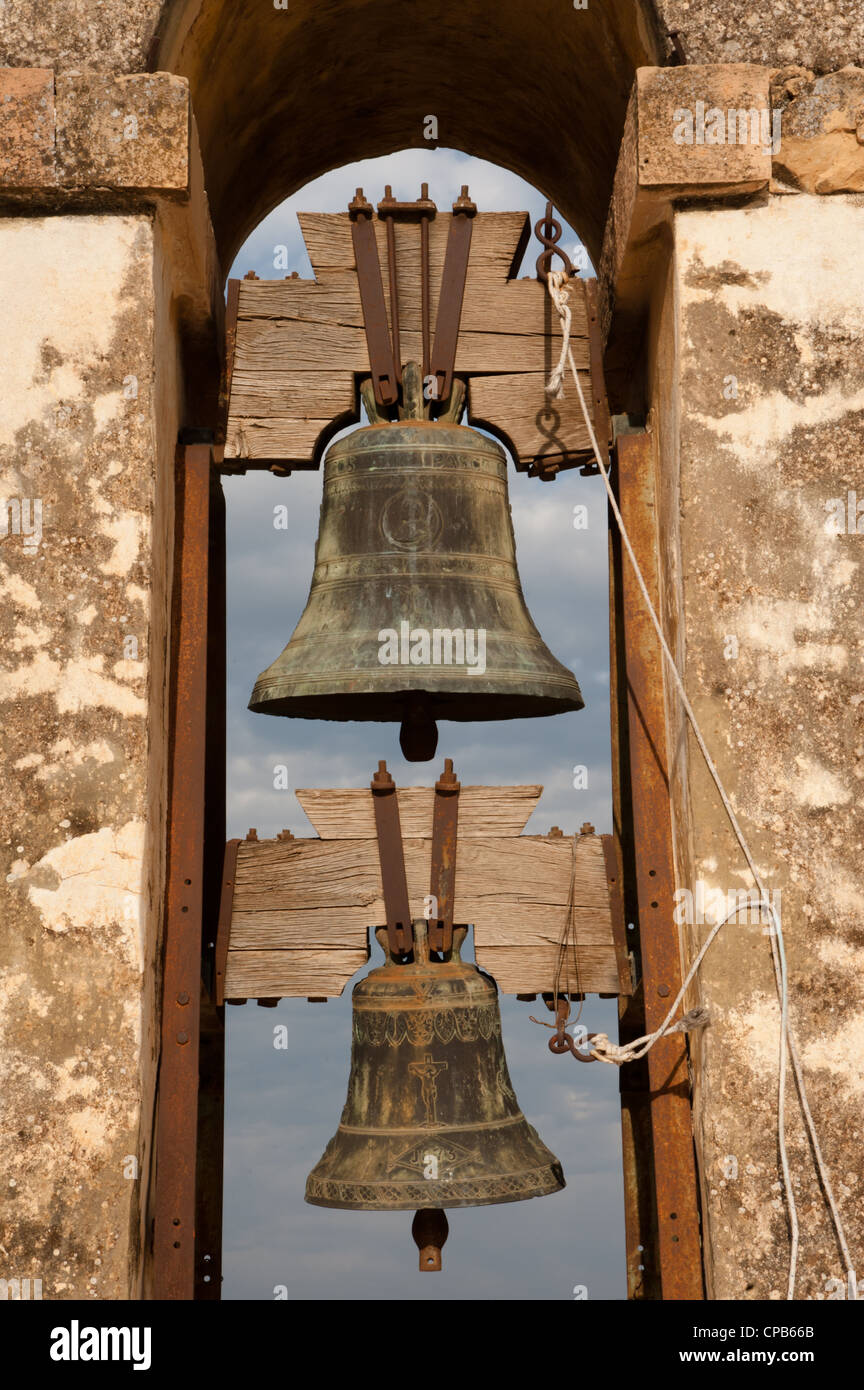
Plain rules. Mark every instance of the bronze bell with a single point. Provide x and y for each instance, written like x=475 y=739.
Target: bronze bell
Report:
x=415 y=612
x=431 y=1119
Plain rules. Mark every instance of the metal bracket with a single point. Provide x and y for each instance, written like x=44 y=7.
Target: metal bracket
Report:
x=400 y=932
x=548 y=231
x=385 y=368
x=451 y=294
x=445 y=821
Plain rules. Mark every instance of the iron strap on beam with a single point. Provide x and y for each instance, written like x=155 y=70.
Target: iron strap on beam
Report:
x=177 y=1092
x=442 y=886
x=394 y=884
x=385 y=369
x=451 y=294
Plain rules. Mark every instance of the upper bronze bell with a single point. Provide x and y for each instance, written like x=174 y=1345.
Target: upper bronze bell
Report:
x=431 y=1119
x=415 y=612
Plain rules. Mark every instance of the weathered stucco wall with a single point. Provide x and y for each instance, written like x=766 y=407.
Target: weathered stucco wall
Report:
x=770 y=324
x=98 y=300
x=87 y=432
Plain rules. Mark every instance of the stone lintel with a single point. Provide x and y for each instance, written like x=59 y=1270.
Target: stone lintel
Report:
x=691 y=133
x=86 y=132
x=705 y=129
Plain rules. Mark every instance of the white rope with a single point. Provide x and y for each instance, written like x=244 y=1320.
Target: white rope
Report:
x=556 y=284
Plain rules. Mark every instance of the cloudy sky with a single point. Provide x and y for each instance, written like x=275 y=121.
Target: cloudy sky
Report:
x=282 y=1106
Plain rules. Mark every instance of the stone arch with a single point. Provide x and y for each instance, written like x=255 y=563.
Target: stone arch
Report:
x=282 y=95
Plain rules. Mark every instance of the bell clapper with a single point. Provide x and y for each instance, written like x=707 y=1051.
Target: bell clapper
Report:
x=418 y=733
x=430 y=1230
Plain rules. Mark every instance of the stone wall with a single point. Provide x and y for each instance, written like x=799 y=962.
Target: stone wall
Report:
x=770 y=322
x=85 y=437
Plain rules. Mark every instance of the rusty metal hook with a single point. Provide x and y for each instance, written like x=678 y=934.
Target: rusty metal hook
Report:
x=563 y=1042
x=549 y=236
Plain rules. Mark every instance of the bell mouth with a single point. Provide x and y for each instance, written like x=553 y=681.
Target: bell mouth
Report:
x=469 y=1192
x=394 y=706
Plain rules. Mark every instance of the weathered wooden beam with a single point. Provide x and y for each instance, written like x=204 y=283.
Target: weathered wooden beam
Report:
x=536 y=424
x=306 y=907
x=344 y=813
x=299 y=346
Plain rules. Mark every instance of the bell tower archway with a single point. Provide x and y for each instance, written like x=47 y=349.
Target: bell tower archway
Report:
x=282 y=94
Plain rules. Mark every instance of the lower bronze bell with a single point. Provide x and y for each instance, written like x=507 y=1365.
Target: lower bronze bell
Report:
x=431 y=1119
x=416 y=611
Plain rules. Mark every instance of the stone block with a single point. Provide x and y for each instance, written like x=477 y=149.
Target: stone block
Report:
x=822 y=149
x=705 y=129
x=123 y=132
x=26 y=127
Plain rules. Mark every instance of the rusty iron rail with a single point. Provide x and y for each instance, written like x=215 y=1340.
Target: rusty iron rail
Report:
x=177 y=1092
x=661 y=1190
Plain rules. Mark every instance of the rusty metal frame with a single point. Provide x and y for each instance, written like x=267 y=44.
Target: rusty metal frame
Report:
x=661 y=1190
x=177 y=1087
x=186 y=1207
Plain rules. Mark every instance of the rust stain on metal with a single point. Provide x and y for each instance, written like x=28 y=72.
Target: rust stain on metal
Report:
x=177 y=1095
x=211 y=1147
x=674 y=1175
x=385 y=369
x=452 y=293
x=547 y=230
x=394 y=883
x=445 y=826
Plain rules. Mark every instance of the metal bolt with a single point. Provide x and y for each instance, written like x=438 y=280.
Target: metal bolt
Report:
x=183 y=998
x=182 y=1038
x=663 y=990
